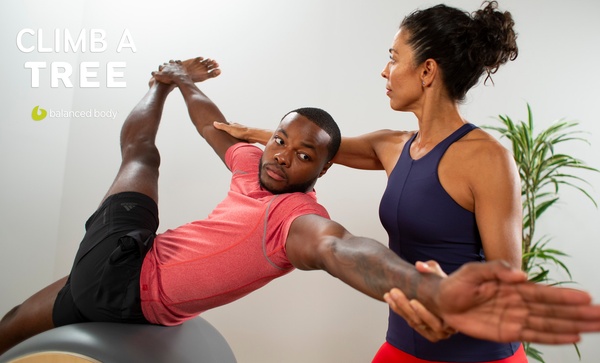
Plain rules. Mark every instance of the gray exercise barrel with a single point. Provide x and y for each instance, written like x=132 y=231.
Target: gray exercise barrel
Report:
x=193 y=341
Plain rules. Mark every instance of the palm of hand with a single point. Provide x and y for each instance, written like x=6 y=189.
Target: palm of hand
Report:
x=495 y=302
x=490 y=310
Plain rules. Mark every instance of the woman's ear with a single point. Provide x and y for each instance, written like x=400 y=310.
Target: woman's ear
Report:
x=429 y=70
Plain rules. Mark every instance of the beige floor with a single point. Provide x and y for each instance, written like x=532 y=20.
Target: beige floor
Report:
x=54 y=357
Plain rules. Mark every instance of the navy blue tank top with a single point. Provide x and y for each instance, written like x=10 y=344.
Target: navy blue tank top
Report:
x=424 y=223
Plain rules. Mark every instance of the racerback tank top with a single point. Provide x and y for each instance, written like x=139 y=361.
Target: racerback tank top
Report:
x=424 y=223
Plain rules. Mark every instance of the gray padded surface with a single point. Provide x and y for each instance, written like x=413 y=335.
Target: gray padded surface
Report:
x=193 y=341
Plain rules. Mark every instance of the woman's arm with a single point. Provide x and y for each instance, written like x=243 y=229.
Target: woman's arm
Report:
x=496 y=189
x=373 y=151
x=480 y=175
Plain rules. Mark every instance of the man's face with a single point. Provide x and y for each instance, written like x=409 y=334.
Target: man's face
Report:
x=294 y=157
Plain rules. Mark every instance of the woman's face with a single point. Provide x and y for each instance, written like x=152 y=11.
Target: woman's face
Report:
x=404 y=84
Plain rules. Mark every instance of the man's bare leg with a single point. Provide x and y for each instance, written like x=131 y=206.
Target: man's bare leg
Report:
x=140 y=157
x=138 y=173
x=30 y=318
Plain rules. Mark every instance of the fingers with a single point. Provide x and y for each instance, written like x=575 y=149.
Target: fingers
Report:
x=562 y=326
x=229 y=128
x=220 y=125
x=521 y=311
x=496 y=274
x=162 y=66
x=556 y=295
x=432 y=327
x=234 y=129
x=549 y=330
x=158 y=75
x=495 y=302
x=417 y=316
x=400 y=305
x=427 y=318
x=430 y=267
x=168 y=71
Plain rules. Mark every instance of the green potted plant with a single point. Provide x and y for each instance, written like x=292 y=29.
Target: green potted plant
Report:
x=543 y=171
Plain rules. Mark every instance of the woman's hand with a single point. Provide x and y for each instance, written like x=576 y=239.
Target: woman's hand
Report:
x=416 y=315
x=244 y=133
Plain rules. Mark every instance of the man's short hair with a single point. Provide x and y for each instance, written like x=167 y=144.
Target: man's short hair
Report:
x=324 y=120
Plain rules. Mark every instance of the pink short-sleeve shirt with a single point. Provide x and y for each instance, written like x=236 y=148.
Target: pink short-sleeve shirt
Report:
x=239 y=248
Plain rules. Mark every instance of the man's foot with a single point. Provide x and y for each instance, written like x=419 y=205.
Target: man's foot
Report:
x=201 y=69
x=197 y=69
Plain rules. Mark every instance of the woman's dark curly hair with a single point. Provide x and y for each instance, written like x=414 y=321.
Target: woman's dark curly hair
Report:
x=464 y=45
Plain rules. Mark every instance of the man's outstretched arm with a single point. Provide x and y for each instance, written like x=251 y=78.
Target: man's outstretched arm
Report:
x=203 y=112
x=485 y=300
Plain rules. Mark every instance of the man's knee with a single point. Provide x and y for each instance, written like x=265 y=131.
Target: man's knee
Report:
x=10 y=315
x=143 y=152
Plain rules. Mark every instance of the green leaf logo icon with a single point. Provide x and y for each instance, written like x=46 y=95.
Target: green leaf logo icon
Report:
x=38 y=114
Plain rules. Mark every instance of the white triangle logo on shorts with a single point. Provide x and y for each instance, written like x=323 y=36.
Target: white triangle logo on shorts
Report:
x=129 y=206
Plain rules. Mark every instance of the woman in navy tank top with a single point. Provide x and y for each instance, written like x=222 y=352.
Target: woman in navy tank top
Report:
x=453 y=192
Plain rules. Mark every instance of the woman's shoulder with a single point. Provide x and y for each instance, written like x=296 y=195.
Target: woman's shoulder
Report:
x=480 y=140
x=391 y=136
x=482 y=150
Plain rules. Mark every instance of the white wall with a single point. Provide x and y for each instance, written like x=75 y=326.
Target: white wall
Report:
x=275 y=56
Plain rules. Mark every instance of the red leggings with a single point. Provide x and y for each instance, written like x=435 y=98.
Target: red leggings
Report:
x=390 y=354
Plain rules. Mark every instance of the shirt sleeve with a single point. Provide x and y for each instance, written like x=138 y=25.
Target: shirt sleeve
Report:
x=241 y=154
x=283 y=214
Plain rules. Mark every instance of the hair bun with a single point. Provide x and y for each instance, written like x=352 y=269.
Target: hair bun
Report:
x=464 y=45
x=494 y=39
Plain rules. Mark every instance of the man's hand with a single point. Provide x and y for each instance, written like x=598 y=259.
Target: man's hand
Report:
x=495 y=302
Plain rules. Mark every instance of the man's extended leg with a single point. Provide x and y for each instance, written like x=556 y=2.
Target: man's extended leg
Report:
x=31 y=317
x=138 y=173
x=140 y=157
x=139 y=168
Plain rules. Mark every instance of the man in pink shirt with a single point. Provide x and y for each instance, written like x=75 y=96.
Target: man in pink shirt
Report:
x=269 y=224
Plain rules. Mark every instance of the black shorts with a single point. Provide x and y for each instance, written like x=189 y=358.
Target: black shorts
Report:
x=104 y=284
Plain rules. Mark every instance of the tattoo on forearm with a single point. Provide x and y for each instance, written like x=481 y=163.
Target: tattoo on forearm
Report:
x=380 y=269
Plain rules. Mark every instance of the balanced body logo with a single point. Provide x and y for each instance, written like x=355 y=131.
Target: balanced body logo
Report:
x=38 y=114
